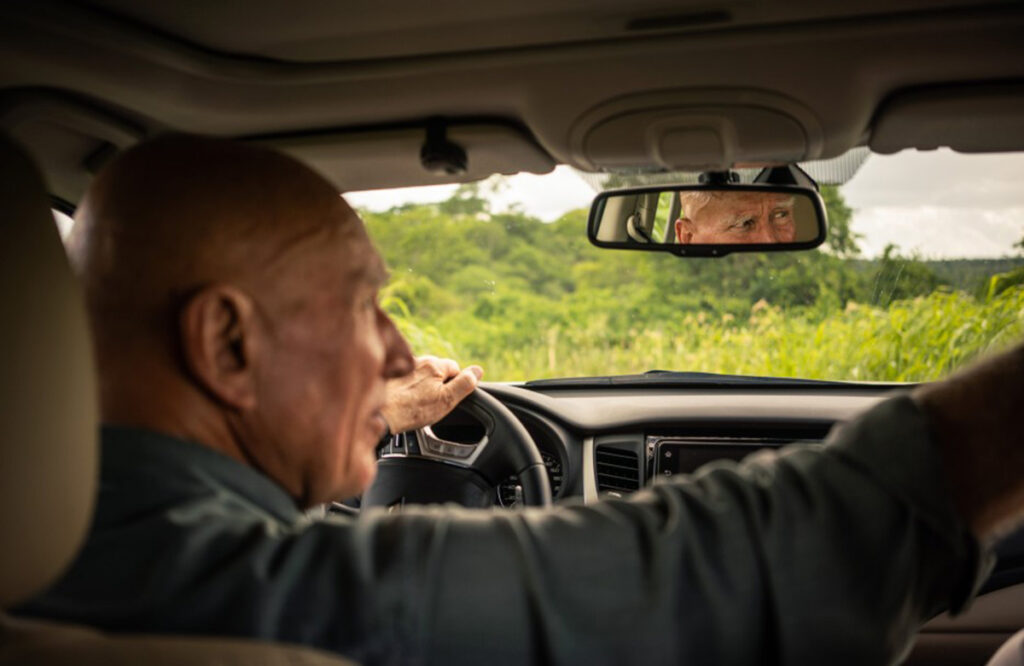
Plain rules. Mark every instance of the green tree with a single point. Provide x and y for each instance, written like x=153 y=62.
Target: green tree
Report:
x=842 y=241
x=898 y=277
x=529 y=299
x=466 y=200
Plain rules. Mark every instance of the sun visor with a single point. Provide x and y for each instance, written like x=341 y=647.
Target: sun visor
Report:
x=694 y=130
x=966 y=118
x=383 y=159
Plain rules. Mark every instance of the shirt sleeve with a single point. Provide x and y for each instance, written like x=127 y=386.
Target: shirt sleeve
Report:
x=816 y=554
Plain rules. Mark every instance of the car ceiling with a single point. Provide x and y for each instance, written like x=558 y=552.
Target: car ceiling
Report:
x=368 y=29
x=350 y=87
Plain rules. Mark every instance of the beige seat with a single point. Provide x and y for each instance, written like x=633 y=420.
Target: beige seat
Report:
x=48 y=448
x=43 y=643
x=1011 y=653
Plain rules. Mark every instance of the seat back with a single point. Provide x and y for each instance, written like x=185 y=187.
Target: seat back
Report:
x=37 y=643
x=1011 y=653
x=48 y=403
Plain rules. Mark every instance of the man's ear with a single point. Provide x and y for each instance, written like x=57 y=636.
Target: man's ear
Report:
x=218 y=339
x=684 y=231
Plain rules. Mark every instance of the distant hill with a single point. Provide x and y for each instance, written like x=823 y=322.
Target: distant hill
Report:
x=968 y=274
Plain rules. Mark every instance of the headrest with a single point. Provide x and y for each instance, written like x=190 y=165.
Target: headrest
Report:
x=1011 y=653
x=48 y=407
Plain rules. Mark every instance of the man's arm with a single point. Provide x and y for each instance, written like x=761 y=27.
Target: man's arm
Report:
x=977 y=421
x=830 y=554
x=817 y=554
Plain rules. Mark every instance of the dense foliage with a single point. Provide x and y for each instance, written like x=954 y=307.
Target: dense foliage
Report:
x=528 y=299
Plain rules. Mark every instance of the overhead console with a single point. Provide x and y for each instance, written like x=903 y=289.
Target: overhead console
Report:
x=695 y=130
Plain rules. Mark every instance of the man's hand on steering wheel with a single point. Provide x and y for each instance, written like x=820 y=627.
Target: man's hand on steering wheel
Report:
x=429 y=469
x=428 y=393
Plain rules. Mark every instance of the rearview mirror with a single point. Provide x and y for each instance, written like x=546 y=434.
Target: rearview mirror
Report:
x=708 y=220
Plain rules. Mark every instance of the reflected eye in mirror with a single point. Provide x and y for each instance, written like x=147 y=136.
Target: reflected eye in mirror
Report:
x=705 y=220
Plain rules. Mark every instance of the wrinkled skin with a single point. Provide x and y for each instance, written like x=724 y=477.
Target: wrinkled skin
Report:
x=735 y=218
x=435 y=384
x=233 y=300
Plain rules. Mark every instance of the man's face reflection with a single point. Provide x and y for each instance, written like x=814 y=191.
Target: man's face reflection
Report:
x=711 y=218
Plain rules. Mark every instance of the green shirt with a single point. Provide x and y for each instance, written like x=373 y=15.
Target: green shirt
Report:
x=818 y=554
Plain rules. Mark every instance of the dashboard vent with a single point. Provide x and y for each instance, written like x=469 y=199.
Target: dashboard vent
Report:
x=618 y=470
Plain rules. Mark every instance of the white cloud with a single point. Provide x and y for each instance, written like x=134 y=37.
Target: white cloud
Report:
x=547 y=197
x=940 y=232
x=939 y=178
x=378 y=200
x=939 y=203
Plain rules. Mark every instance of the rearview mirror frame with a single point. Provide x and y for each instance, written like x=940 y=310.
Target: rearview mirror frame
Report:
x=598 y=206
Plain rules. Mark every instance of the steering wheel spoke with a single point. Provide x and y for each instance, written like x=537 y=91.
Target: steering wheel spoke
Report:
x=462 y=469
x=456 y=453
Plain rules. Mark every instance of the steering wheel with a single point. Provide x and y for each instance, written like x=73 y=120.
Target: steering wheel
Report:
x=422 y=468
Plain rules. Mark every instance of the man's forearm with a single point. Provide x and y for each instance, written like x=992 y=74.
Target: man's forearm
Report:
x=977 y=419
x=833 y=553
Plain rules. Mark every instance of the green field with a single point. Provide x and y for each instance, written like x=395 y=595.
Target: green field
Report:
x=529 y=300
x=911 y=340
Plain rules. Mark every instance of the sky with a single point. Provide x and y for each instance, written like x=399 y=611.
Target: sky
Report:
x=546 y=196
x=939 y=204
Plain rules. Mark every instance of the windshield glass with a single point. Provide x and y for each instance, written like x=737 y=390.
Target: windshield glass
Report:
x=923 y=270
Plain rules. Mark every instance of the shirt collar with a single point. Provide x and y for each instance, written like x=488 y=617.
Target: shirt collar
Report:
x=130 y=450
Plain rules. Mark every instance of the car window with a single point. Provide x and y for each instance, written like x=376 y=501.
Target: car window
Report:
x=923 y=270
x=64 y=223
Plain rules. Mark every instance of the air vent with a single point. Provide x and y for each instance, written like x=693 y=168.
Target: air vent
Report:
x=618 y=470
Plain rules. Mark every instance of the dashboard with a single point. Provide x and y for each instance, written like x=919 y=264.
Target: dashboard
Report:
x=615 y=441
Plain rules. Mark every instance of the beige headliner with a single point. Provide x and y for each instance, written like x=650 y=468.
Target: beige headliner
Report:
x=533 y=69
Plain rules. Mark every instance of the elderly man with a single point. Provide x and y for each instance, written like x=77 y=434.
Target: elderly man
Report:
x=712 y=218
x=244 y=360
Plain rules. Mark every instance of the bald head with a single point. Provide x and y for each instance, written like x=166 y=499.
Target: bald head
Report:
x=181 y=211
x=232 y=295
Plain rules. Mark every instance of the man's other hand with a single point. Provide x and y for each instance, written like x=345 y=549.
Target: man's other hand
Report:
x=428 y=393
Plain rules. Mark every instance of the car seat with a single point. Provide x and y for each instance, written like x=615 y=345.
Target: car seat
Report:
x=48 y=438
x=1011 y=653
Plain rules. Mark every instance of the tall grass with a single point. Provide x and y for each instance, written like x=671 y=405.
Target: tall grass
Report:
x=911 y=340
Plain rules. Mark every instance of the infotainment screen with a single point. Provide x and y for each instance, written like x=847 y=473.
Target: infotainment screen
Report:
x=685 y=455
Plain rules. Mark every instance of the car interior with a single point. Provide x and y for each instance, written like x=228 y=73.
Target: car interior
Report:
x=385 y=95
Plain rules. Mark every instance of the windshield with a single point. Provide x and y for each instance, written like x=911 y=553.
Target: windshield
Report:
x=922 y=271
